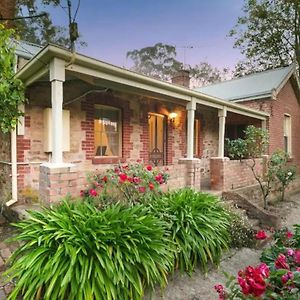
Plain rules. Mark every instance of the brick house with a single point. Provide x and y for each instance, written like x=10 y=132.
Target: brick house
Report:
x=83 y=115
x=276 y=92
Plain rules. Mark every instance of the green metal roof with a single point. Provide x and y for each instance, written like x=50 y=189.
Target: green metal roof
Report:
x=255 y=86
x=26 y=49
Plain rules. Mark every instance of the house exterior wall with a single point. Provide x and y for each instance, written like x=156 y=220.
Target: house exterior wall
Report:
x=135 y=142
x=286 y=103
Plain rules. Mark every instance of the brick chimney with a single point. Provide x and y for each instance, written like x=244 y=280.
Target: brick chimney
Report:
x=182 y=77
x=7 y=10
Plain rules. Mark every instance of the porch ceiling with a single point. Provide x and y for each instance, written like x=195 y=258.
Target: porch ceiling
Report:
x=103 y=74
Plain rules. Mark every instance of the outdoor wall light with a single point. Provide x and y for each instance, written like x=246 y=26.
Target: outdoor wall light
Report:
x=172 y=116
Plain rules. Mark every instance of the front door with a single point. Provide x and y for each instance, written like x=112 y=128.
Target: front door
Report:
x=157 y=138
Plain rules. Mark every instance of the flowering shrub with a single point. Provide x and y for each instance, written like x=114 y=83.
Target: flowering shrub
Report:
x=130 y=182
x=277 y=277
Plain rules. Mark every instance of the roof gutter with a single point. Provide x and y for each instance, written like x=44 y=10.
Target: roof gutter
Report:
x=50 y=51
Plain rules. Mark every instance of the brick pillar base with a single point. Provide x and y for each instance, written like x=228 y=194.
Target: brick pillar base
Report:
x=193 y=174
x=57 y=182
x=217 y=179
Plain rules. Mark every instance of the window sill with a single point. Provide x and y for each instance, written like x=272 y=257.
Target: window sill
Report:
x=107 y=160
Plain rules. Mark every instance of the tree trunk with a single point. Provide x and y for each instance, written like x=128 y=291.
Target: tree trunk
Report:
x=7 y=11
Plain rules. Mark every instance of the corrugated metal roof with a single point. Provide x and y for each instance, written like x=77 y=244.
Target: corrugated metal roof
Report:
x=26 y=49
x=249 y=87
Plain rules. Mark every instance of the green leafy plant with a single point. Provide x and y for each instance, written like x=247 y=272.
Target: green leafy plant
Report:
x=198 y=225
x=11 y=89
x=283 y=172
x=75 y=251
x=131 y=183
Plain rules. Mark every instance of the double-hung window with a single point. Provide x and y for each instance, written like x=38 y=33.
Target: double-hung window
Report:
x=107 y=131
x=287 y=134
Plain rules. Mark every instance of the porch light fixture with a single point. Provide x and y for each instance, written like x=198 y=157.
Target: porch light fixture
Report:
x=172 y=117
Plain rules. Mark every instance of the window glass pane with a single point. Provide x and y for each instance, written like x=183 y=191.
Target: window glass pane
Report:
x=107 y=131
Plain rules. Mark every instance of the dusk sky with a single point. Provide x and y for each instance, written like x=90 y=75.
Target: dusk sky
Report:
x=113 y=27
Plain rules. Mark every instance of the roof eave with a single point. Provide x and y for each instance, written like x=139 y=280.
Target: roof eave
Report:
x=43 y=58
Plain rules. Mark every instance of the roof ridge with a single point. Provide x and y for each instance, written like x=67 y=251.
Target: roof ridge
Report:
x=246 y=76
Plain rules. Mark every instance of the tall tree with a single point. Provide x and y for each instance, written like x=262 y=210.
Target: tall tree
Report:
x=268 y=33
x=159 y=61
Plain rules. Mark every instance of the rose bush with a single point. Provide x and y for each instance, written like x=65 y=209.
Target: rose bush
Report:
x=132 y=183
x=277 y=277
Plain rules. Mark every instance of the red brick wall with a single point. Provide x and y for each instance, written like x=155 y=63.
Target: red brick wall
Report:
x=286 y=103
x=232 y=174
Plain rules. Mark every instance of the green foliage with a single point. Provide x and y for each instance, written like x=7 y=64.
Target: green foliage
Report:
x=283 y=172
x=130 y=183
x=160 y=61
x=74 y=251
x=198 y=225
x=267 y=34
x=11 y=89
x=253 y=145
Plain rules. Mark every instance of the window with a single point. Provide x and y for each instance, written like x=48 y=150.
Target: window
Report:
x=107 y=131
x=287 y=130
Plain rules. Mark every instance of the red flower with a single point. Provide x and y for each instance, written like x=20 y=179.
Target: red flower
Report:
x=297 y=256
x=159 y=178
x=104 y=179
x=130 y=179
x=280 y=262
x=289 y=235
x=117 y=170
x=142 y=189
x=149 y=168
x=261 y=235
x=151 y=186
x=82 y=193
x=122 y=177
x=93 y=193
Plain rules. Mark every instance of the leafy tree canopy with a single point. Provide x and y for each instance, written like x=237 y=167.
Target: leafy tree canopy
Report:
x=159 y=61
x=11 y=89
x=268 y=34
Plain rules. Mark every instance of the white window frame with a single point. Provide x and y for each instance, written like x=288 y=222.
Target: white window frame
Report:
x=100 y=106
x=287 y=133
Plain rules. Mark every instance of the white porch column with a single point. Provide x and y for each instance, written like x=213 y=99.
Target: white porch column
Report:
x=57 y=78
x=222 y=121
x=190 y=107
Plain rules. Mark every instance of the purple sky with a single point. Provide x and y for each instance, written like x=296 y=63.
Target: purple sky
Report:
x=113 y=27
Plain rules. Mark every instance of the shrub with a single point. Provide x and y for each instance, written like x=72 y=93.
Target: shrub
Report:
x=132 y=183
x=240 y=230
x=198 y=225
x=277 y=277
x=75 y=251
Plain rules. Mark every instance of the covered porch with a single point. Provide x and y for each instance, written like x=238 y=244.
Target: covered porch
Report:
x=85 y=115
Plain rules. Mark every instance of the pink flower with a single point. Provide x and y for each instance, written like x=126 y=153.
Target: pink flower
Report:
x=136 y=180
x=220 y=290
x=298 y=269
x=117 y=170
x=297 y=256
x=149 y=168
x=82 y=193
x=93 y=193
x=286 y=277
x=159 y=178
x=290 y=252
x=261 y=235
x=264 y=270
x=280 y=262
x=142 y=189
x=289 y=235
